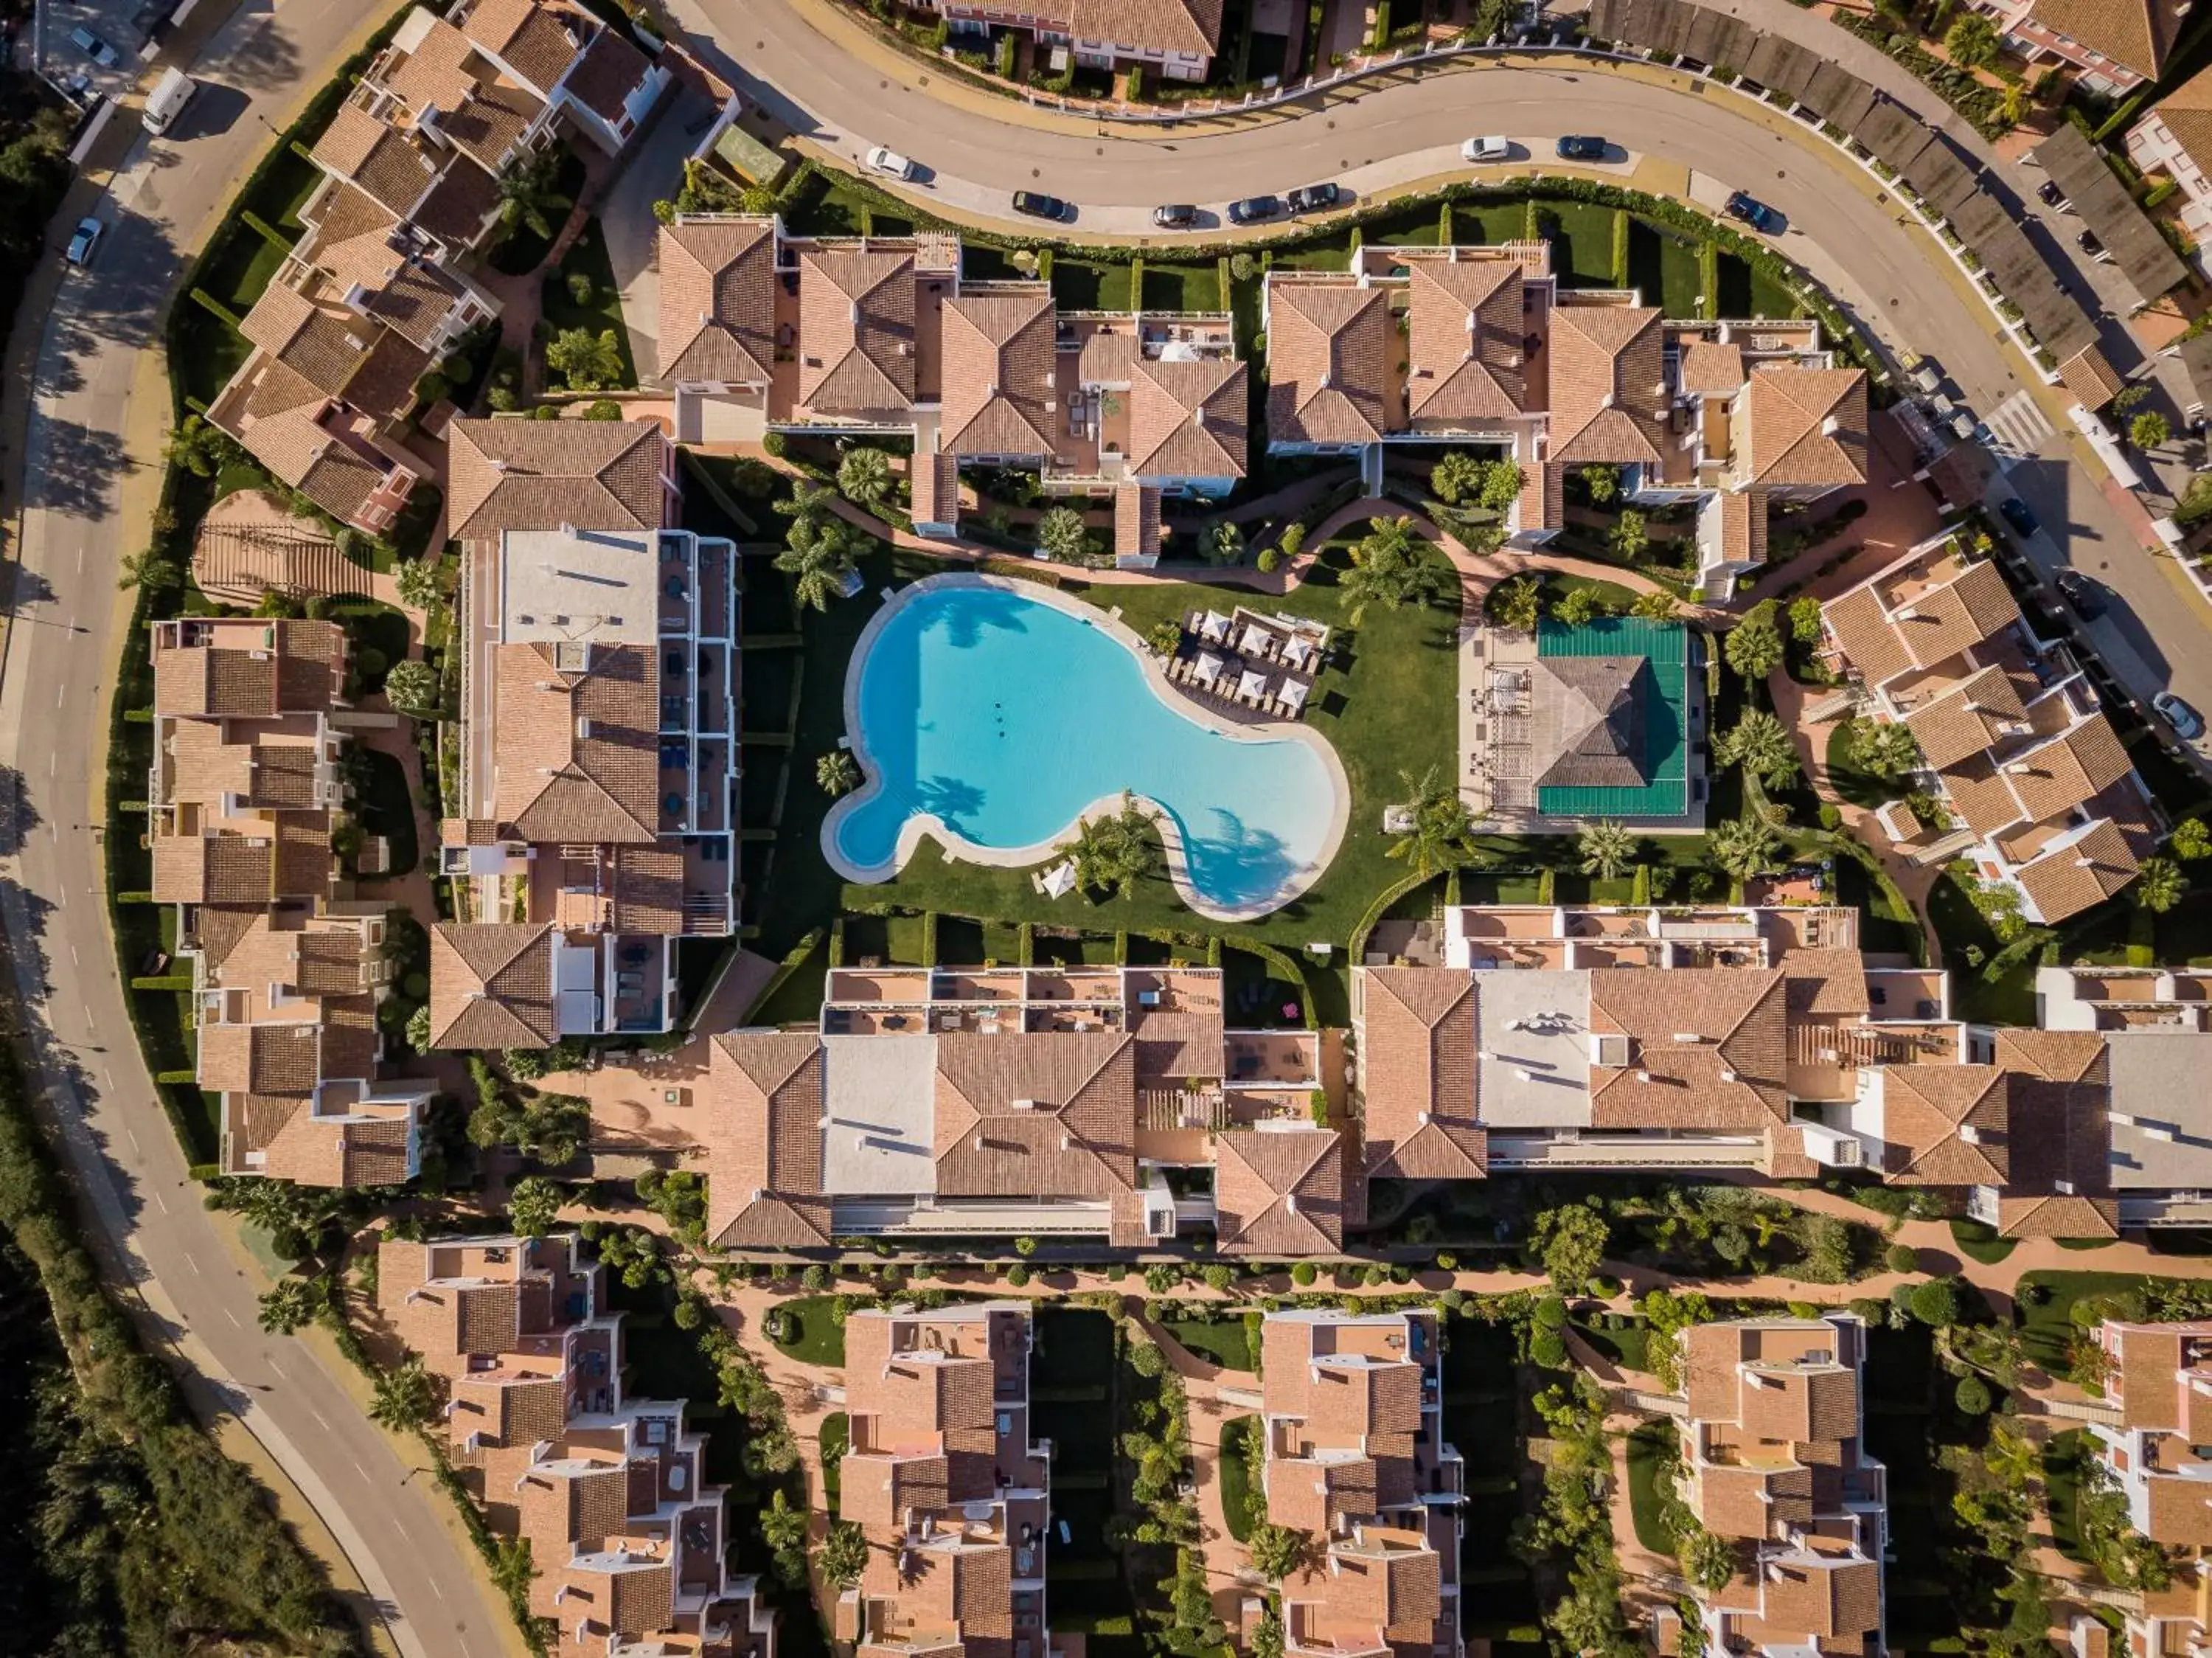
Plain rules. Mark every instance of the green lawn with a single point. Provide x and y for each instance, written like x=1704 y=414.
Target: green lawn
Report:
x=1582 y=244
x=2046 y=1329
x=2011 y=999
x=1225 y=1342
x=602 y=312
x=525 y=250
x=1079 y=284
x=1243 y=1507
x=1181 y=288
x=1648 y=1446
x=835 y=1438
x=819 y=1339
x=1626 y=1346
x=1662 y=265
x=1858 y=788
x=2063 y=1455
x=1980 y=1242
x=1489 y=223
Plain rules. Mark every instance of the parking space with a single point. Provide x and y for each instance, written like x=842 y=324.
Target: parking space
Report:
x=99 y=48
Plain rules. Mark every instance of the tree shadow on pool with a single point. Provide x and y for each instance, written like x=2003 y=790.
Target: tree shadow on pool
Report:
x=952 y=801
x=1261 y=859
x=964 y=626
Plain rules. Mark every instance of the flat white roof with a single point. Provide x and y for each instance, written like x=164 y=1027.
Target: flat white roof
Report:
x=2158 y=1085
x=879 y=1108
x=1532 y=1029
x=567 y=584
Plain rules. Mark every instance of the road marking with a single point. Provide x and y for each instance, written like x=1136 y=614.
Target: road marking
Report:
x=435 y=1589
x=277 y=1367
x=137 y=1150
x=2019 y=426
x=73 y=956
x=160 y=1203
x=232 y=1317
x=363 y=1472
x=51 y=761
x=192 y=1263
x=61 y=694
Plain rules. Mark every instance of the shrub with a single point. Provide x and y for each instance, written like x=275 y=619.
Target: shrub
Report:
x=1270 y=559
x=1935 y=1303
x=1901 y=1258
x=1304 y=1274
x=1017 y=1275
x=1548 y=1348
x=1971 y=1395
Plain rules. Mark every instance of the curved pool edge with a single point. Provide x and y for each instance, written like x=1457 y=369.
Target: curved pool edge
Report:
x=959 y=847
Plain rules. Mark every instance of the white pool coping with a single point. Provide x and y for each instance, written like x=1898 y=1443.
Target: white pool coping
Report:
x=964 y=850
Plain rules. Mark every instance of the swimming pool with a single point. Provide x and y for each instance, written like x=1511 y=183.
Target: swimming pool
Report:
x=992 y=715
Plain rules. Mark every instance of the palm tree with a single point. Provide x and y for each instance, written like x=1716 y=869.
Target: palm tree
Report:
x=1745 y=847
x=844 y=1555
x=290 y=1302
x=512 y=1568
x=864 y=477
x=1063 y=538
x=821 y=554
x=1114 y=854
x=1657 y=605
x=1390 y=567
x=2160 y=885
x=1759 y=743
x=1884 y=748
x=1520 y=604
x=403 y=1396
x=528 y=195
x=838 y=772
x=1439 y=831
x=149 y=569
x=1607 y=847
x=586 y=361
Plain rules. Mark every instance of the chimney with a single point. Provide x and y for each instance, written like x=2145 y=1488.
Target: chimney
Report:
x=1291 y=1203
x=1831 y=426
x=1643 y=1075
x=1970 y=1134
x=1728 y=1077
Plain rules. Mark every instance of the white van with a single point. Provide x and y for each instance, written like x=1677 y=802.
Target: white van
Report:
x=167 y=100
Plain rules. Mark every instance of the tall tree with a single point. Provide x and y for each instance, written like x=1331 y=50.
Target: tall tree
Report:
x=1391 y=567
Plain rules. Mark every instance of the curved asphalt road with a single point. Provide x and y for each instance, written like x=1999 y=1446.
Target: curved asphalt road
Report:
x=87 y=475
x=976 y=150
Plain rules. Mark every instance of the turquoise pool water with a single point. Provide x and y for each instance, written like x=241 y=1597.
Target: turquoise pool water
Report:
x=1004 y=716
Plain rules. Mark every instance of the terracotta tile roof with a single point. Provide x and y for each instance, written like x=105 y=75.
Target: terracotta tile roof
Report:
x=1607 y=391
x=764 y=1142
x=2138 y=34
x=935 y=482
x=1310 y=1495
x=579 y=750
x=1327 y=349
x=491 y=985
x=998 y=355
x=1710 y=369
x=1042 y=1113
x=1136 y=518
x=1946 y=1124
x=404 y=293
x=261 y=1059
x=1416 y=1043
x=491 y=125
x=1864 y=635
x=1806 y=427
x=1279 y=1193
x=392 y=169
x=1347 y=1403
x=343 y=213
x=1825 y=981
x=1973 y=606
x=1188 y=419
x=1465 y=332
x=1192 y=27
x=648 y=888
x=718 y=301
x=1743 y=526
x=2059 y=1183
x=537 y=42
x=2180 y=1511
x=303 y=855
x=459 y=206
x=1730 y=1077
x=299 y=451
x=1830 y=1597
x=1400 y=1590
x=1968 y=718
x=435 y=74
x=2091 y=378
x=856 y=330
x=215 y=681
x=535 y=474
x=2187 y=112
x=2054 y=777
x=2082 y=874
x=1978 y=794
x=611 y=70
x=214 y=869
x=373 y=1152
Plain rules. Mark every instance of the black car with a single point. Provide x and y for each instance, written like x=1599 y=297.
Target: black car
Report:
x=1253 y=209
x=2086 y=597
x=1039 y=206
x=1180 y=216
x=2087 y=242
x=2050 y=194
x=1756 y=213
x=1585 y=148
x=2022 y=516
x=1312 y=197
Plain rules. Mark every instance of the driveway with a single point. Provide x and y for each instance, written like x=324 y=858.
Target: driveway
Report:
x=653 y=172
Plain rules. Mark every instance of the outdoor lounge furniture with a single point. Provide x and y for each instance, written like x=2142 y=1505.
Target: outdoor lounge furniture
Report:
x=1214 y=626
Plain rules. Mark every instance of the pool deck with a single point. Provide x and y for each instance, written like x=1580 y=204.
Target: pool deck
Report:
x=1155 y=677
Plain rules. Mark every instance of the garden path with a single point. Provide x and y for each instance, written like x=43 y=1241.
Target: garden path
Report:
x=1202 y=1381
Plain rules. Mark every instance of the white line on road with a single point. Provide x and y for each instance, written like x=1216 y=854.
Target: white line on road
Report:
x=277 y=1367
x=435 y=1589
x=137 y=1150
x=160 y=1202
x=363 y=1472
x=74 y=958
x=232 y=1317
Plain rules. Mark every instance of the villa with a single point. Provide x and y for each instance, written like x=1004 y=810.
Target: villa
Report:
x=2112 y=48
x=1175 y=39
x=2154 y=1374
x=1032 y=1101
x=2042 y=797
x=593 y=828
x=1598 y=719
x=626 y=1536
x=1481 y=346
x=288 y=967
x=1774 y=1465
x=1355 y=1456
x=2175 y=138
x=944 y=1480
x=761 y=331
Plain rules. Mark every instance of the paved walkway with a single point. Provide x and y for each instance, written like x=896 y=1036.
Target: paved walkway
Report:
x=652 y=171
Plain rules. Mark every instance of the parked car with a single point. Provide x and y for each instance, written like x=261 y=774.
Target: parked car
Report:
x=2087 y=597
x=889 y=163
x=1253 y=209
x=2050 y=194
x=2188 y=724
x=1492 y=149
x=1312 y=197
x=1756 y=213
x=1040 y=206
x=83 y=240
x=2022 y=516
x=93 y=47
x=1179 y=216
x=1585 y=148
x=2087 y=242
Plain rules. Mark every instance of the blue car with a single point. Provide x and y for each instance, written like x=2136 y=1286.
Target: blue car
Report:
x=1585 y=148
x=2022 y=516
x=1756 y=213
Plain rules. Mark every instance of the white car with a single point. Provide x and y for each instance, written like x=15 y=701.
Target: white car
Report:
x=1492 y=149
x=889 y=163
